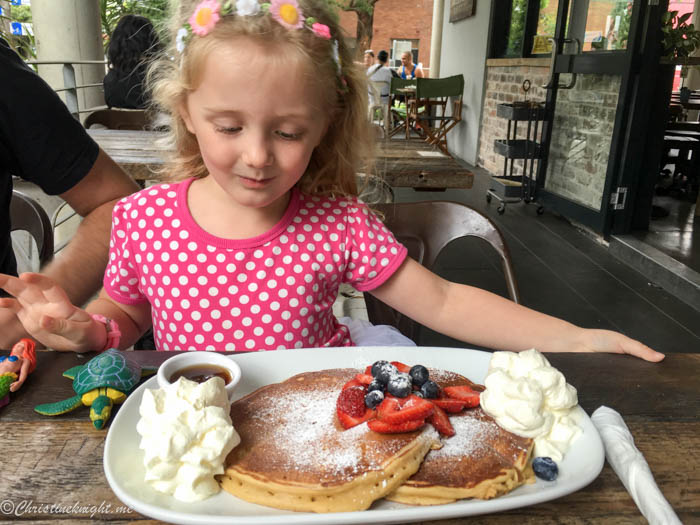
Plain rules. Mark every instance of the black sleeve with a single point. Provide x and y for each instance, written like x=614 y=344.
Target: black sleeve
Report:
x=40 y=141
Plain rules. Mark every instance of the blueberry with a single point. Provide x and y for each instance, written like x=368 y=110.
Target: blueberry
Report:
x=418 y=393
x=376 y=366
x=375 y=385
x=419 y=374
x=385 y=372
x=373 y=398
x=399 y=385
x=430 y=390
x=545 y=468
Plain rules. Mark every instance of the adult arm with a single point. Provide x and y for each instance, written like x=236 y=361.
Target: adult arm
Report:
x=79 y=267
x=479 y=317
x=47 y=314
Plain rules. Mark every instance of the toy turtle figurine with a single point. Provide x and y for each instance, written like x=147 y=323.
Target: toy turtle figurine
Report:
x=103 y=381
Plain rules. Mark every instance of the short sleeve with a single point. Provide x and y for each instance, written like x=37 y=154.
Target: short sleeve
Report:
x=121 y=280
x=372 y=252
x=40 y=141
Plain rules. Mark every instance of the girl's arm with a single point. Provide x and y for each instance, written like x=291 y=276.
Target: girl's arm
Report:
x=485 y=319
x=48 y=315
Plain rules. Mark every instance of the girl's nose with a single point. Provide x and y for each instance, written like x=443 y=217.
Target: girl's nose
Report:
x=257 y=152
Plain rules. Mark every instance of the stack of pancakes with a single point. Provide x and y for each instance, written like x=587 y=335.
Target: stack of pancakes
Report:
x=295 y=455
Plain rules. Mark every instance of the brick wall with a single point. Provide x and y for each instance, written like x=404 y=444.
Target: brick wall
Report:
x=398 y=20
x=504 y=85
x=582 y=129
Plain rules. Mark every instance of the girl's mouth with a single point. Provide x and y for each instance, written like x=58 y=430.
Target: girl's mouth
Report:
x=254 y=183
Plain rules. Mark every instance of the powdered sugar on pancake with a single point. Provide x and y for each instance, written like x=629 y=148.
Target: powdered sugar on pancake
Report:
x=295 y=435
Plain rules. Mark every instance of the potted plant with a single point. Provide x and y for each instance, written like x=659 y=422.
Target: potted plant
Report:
x=680 y=38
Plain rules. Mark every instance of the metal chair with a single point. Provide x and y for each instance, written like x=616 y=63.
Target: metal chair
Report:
x=433 y=94
x=426 y=228
x=135 y=119
x=26 y=214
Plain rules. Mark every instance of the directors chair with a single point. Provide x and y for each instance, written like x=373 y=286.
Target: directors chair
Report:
x=426 y=228
x=427 y=112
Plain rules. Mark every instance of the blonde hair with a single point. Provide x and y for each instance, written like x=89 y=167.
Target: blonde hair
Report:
x=348 y=143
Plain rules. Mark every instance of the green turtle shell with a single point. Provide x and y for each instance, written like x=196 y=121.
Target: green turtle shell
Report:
x=109 y=369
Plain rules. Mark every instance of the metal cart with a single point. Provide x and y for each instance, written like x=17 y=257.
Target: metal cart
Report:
x=511 y=187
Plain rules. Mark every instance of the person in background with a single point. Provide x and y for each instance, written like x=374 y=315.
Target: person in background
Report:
x=368 y=59
x=131 y=48
x=380 y=72
x=246 y=246
x=408 y=69
x=42 y=143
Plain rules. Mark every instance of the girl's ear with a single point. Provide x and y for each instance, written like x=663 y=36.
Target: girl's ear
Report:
x=185 y=115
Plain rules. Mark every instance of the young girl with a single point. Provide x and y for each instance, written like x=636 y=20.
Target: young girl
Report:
x=246 y=247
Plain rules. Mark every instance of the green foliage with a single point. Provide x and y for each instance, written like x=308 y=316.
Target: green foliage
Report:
x=24 y=45
x=624 y=11
x=517 y=28
x=679 y=38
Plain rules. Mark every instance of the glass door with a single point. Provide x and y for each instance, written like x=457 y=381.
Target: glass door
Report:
x=591 y=83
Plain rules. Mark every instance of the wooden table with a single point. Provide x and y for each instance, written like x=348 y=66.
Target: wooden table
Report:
x=57 y=461
x=401 y=163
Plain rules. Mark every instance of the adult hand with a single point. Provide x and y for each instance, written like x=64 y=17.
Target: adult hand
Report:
x=617 y=343
x=11 y=329
x=46 y=313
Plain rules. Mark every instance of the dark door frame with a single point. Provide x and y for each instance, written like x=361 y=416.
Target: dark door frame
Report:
x=628 y=148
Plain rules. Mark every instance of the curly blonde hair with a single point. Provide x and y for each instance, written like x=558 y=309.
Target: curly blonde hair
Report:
x=348 y=143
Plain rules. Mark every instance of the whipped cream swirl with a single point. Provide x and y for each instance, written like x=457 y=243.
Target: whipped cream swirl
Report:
x=186 y=433
x=529 y=397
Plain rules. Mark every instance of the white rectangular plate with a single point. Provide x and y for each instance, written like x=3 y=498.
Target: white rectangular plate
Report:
x=123 y=460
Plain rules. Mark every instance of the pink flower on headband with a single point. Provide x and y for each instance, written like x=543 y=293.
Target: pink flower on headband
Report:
x=205 y=17
x=287 y=13
x=321 y=30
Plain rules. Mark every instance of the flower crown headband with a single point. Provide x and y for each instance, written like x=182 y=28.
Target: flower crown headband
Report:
x=286 y=12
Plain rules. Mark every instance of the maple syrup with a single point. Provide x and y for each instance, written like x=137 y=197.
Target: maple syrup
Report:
x=201 y=373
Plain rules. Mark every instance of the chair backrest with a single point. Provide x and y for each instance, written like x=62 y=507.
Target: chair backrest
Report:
x=425 y=228
x=400 y=83
x=137 y=119
x=26 y=214
x=440 y=87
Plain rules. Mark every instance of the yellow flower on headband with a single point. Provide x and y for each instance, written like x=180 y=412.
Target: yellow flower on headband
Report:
x=287 y=13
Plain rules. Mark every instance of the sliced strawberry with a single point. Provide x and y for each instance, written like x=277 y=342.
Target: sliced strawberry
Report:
x=401 y=367
x=414 y=408
x=353 y=382
x=453 y=406
x=463 y=393
x=441 y=422
x=368 y=370
x=351 y=401
x=385 y=428
x=390 y=405
x=364 y=379
x=348 y=421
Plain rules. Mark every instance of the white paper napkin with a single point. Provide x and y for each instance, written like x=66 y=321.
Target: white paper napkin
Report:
x=631 y=467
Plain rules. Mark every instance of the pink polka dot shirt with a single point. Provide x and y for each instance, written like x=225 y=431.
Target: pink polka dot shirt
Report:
x=268 y=292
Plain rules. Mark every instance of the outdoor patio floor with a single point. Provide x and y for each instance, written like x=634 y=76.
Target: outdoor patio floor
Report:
x=564 y=272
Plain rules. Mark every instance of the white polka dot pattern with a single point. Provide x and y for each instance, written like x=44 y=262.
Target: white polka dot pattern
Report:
x=269 y=292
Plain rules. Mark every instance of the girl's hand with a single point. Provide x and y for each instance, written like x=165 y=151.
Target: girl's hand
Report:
x=46 y=313
x=616 y=343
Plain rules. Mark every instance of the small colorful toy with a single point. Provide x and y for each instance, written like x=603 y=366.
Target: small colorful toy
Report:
x=102 y=382
x=15 y=368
